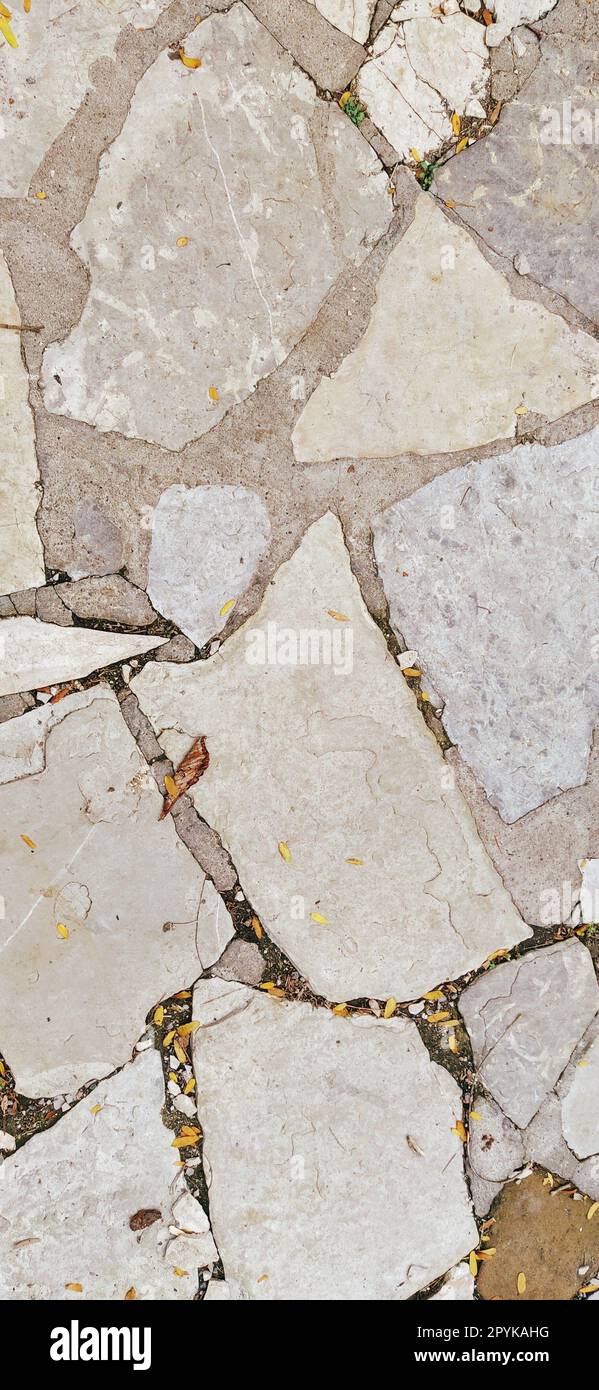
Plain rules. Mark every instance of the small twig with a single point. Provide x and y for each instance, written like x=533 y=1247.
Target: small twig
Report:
x=23 y=327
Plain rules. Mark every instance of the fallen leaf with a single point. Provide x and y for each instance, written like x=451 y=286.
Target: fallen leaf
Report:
x=284 y=851
x=95 y=1109
x=159 y=1016
x=411 y=672
x=424 y=696
x=146 y=1216
x=521 y=410
x=182 y=241
x=488 y=17
x=415 y=155
x=189 y=771
x=494 y=114
x=473 y=1263
x=180 y=1273
x=187 y=1028
x=591 y=1211
x=5 y=11
x=7 y=31
x=548 y=1180
x=41 y=195
x=414 y=1146
x=521 y=1283
x=449 y=203
x=339 y=617
x=131 y=1293
x=191 y=1085
x=433 y=994
x=187 y=61
x=167 y=1040
x=475 y=1115
x=340 y=1009
x=390 y=1007
x=461 y=145
x=75 y=1288
x=344 y=98
x=460 y=1130
x=456 y=123
x=226 y=608
x=62 y=931
x=589 y=1288
x=452 y=1043
x=354 y=861
x=437 y=1018
x=257 y=929
x=191 y=1131
x=184 y=1141
x=318 y=917
x=214 y=393
x=179 y=1052
x=26 y=6
x=30 y=843
x=262 y=1279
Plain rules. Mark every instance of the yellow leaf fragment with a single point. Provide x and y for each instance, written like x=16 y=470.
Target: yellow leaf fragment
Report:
x=167 y=1040
x=2 y=1069
x=257 y=929
x=268 y=985
x=7 y=31
x=456 y=124
x=184 y=1141
x=187 y=1028
x=5 y=11
x=461 y=145
x=449 y=203
x=460 y=1130
x=95 y=1109
x=179 y=1052
x=226 y=608
x=182 y=241
x=424 y=696
x=583 y=1063
x=521 y=410
x=62 y=931
x=486 y=1254
x=437 y=1018
x=340 y=1009
x=548 y=1180
x=180 y=1273
x=591 y=1211
x=159 y=1016
x=189 y=62
x=473 y=1263
x=475 y=1115
x=74 y=1288
x=415 y=155
x=433 y=994
x=339 y=617
x=30 y=843
x=343 y=100
x=26 y=6
x=354 y=861
x=589 y=1288
x=521 y=1283
x=214 y=393
x=390 y=1007
x=452 y=1043
x=130 y=1294
x=171 y=786
x=191 y=1130
x=412 y=672
x=284 y=851
x=41 y=195
x=191 y=1085
x=318 y=917
x=262 y=1279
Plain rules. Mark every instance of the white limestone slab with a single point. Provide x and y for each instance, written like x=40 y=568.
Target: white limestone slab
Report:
x=439 y=302
x=206 y=544
x=315 y=1192
x=44 y=81
x=508 y=14
x=504 y=633
x=457 y=1287
x=353 y=17
x=589 y=892
x=97 y=861
x=35 y=654
x=579 y=1104
x=68 y=1195
x=328 y=755
x=21 y=555
x=230 y=156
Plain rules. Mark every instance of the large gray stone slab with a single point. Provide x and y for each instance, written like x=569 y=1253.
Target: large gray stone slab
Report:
x=315 y=1190
x=439 y=302
x=242 y=158
x=532 y=188
x=525 y=1019
x=44 y=81
x=206 y=544
x=319 y=756
x=21 y=555
x=97 y=862
x=68 y=1195
x=503 y=612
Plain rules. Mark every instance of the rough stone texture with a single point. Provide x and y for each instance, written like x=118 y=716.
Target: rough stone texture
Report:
x=421 y=72
x=67 y=1198
x=544 y=1236
x=495 y=1148
x=307 y=1131
x=21 y=555
x=241 y=961
x=105 y=867
x=525 y=1019
x=206 y=544
x=330 y=56
x=458 y=1286
x=334 y=760
x=352 y=17
x=490 y=612
x=508 y=14
x=108 y=599
x=50 y=608
x=36 y=654
x=224 y=310
x=43 y=83
x=566 y=1124
x=215 y=928
x=439 y=301
x=13 y=705
x=580 y=1114
x=535 y=191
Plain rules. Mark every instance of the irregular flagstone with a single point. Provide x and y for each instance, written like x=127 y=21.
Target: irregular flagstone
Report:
x=307 y=1133
x=44 y=81
x=108 y=598
x=352 y=17
x=458 y=1286
x=421 y=72
x=21 y=555
x=206 y=544
x=503 y=631
x=532 y=189
x=495 y=1147
x=316 y=744
x=244 y=161
x=525 y=1019
x=508 y=14
x=439 y=302
x=35 y=654
x=97 y=861
x=580 y=1111
x=67 y=1198
x=564 y=1135
x=544 y=1236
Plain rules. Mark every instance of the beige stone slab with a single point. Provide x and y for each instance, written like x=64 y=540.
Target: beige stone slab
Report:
x=35 y=654
x=21 y=554
x=316 y=743
x=440 y=302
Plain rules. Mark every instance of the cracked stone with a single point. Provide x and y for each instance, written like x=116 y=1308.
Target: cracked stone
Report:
x=221 y=534
x=246 y=162
x=241 y=961
x=108 y=599
x=353 y=17
x=308 y=1131
x=215 y=928
x=491 y=613
x=421 y=72
x=36 y=654
x=533 y=189
x=104 y=867
x=457 y=1286
x=67 y=1198
x=324 y=749
x=50 y=608
x=563 y=1135
x=21 y=554
x=508 y=14
x=438 y=302
x=542 y=1235
x=580 y=1118
x=495 y=1147
x=42 y=90
x=525 y=1019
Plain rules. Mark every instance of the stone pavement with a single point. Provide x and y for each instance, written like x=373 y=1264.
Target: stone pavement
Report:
x=299 y=640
